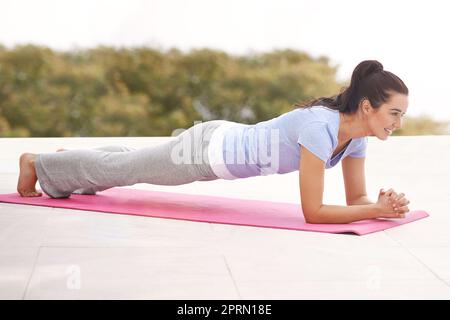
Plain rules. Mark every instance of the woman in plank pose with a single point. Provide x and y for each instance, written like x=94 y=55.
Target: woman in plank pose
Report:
x=310 y=138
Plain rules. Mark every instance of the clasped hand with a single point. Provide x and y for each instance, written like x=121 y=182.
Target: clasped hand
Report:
x=392 y=205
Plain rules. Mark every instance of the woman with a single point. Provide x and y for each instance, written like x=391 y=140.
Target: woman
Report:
x=310 y=138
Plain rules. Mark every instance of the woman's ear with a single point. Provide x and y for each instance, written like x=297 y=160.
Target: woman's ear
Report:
x=365 y=105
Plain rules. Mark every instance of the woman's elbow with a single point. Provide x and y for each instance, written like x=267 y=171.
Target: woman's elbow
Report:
x=311 y=216
x=312 y=220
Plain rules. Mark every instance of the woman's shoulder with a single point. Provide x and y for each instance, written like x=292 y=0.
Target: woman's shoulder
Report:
x=317 y=113
x=358 y=143
x=299 y=118
x=316 y=110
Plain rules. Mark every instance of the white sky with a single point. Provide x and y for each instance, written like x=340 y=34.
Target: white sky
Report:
x=408 y=37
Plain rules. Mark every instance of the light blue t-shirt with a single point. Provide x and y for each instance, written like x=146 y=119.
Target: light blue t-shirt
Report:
x=273 y=146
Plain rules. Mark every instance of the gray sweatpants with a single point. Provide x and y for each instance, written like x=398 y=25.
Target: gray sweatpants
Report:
x=184 y=159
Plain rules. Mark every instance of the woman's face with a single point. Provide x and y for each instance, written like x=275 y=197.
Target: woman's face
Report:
x=388 y=118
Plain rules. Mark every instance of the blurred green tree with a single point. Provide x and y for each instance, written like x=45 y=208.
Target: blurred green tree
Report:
x=147 y=92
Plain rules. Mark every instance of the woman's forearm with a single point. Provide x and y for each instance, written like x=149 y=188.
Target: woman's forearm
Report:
x=343 y=214
x=360 y=200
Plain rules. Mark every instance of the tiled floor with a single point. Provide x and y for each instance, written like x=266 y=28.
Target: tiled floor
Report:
x=52 y=253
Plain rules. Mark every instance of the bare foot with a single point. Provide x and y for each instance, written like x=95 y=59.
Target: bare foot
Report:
x=61 y=149
x=26 y=186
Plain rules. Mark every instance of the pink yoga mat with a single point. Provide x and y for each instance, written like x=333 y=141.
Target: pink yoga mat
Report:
x=204 y=208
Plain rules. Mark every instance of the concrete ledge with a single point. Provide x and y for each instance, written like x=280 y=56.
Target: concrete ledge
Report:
x=48 y=253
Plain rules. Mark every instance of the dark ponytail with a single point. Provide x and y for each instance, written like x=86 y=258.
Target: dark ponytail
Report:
x=369 y=81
